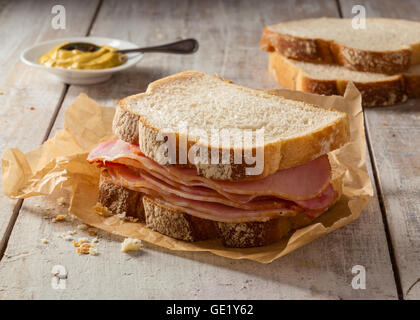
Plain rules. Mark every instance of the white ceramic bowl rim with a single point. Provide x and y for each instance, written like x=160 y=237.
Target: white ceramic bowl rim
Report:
x=133 y=58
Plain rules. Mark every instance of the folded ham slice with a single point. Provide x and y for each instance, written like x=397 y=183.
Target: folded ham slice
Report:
x=303 y=182
x=136 y=180
x=283 y=193
x=203 y=209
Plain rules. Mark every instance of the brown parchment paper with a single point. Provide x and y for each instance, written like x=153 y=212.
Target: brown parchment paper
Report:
x=61 y=163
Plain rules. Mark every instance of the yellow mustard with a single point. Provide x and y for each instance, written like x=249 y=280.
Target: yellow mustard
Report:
x=103 y=58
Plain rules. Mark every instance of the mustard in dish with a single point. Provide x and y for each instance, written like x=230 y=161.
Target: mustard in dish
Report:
x=103 y=58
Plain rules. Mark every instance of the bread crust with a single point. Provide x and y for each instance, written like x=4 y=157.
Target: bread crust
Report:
x=374 y=93
x=328 y=51
x=277 y=155
x=183 y=226
x=254 y=234
x=412 y=85
x=119 y=200
x=175 y=223
x=125 y=125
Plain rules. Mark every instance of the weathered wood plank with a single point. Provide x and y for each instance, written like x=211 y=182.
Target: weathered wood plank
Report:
x=394 y=133
x=229 y=37
x=29 y=97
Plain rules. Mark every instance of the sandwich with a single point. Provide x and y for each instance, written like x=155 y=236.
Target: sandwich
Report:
x=198 y=157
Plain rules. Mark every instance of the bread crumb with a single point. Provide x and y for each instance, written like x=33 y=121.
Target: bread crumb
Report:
x=82 y=227
x=60 y=217
x=61 y=201
x=122 y=215
x=81 y=241
x=45 y=241
x=93 y=251
x=65 y=236
x=131 y=219
x=31 y=108
x=95 y=240
x=130 y=244
x=84 y=248
x=46 y=217
x=72 y=232
x=101 y=210
x=92 y=232
x=392 y=134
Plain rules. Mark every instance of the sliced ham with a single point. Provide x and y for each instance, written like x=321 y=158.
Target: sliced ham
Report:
x=204 y=209
x=322 y=201
x=298 y=183
x=140 y=179
x=282 y=193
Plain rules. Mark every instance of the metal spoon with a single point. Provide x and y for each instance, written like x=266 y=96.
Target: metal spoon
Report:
x=181 y=47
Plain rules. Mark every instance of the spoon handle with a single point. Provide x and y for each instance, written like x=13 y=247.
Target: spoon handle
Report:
x=181 y=47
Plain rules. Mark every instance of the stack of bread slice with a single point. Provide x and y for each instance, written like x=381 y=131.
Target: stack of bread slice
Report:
x=322 y=55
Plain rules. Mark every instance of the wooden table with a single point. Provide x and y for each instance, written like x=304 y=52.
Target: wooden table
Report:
x=385 y=240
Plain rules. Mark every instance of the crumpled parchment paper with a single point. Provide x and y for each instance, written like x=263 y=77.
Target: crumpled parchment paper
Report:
x=61 y=163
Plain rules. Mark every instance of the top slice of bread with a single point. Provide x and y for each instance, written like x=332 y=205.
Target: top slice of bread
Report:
x=387 y=46
x=294 y=132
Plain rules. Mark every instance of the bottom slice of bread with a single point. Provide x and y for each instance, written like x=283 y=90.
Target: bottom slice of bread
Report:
x=376 y=89
x=175 y=223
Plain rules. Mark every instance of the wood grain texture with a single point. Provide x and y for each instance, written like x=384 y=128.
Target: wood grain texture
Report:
x=29 y=96
x=320 y=270
x=229 y=35
x=394 y=133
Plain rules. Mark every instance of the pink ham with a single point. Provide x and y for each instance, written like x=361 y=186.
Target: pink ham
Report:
x=202 y=209
x=303 y=182
x=182 y=189
x=137 y=180
x=323 y=201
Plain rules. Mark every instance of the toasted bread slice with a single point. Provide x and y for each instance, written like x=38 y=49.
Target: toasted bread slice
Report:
x=388 y=46
x=183 y=226
x=294 y=132
x=376 y=89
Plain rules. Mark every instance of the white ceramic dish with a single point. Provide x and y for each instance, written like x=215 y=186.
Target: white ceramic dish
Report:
x=31 y=55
